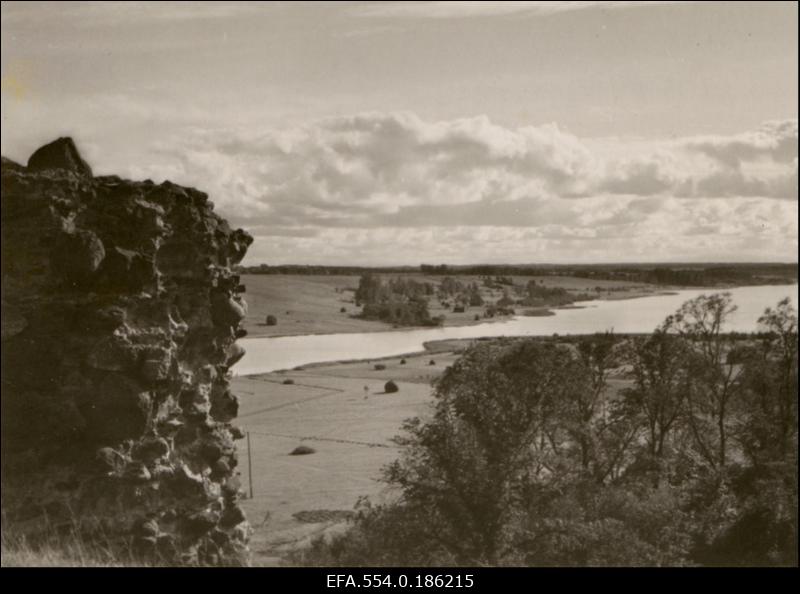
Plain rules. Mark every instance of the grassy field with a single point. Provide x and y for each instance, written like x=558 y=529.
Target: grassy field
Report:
x=339 y=409
x=311 y=304
x=61 y=550
x=343 y=413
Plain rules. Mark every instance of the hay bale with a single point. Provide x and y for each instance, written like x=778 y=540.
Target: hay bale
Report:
x=380 y=367
x=390 y=387
x=271 y=320
x=402 y=361
x=431 y=362
x=302 y=451
x=288 y=381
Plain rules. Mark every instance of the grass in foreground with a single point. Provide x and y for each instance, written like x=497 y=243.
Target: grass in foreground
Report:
x=62 y=550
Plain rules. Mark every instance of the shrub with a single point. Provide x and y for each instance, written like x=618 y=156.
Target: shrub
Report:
x=494 y=310
x=435 y=321
x=271 y=320
x=382 y=536
x=504 y=302
x=431 y=362
x=390 y=387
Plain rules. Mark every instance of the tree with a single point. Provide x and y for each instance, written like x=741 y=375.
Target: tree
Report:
x=597 y=430
x=370 y=289
x=505 y=300
x=583 y=523
x=532 y=457
x=659 y=367
x=714 y=378
x=770 y=376
x=467 y=464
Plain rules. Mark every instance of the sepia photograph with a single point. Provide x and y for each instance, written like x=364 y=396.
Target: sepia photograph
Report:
x=400 y=291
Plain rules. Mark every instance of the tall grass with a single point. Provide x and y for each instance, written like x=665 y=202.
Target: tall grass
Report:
x=64 y=547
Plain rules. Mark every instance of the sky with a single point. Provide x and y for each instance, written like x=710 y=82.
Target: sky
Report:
x=388 y=133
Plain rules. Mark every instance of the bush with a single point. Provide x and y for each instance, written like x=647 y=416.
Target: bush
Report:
x=475 y=300
x=493 y=310
x=402 y=361
x=381 y=536
x=271 y=320
x=380 y=367
x=431 y=362
x=390 y=387
x=504 y=302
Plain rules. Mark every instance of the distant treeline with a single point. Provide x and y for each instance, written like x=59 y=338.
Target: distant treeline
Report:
x=660 y=274
x=698 y=275
x=324 y=270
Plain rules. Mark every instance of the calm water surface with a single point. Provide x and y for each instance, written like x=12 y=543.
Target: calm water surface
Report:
x=628 y=315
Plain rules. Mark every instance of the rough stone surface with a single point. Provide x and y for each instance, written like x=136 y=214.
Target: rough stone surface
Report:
x=120 y=315
x=59 y=154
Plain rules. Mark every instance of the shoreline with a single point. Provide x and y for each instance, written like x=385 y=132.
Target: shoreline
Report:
x=544 y=311
x=389 y=328
x=440 y=346
x=464 y=323
x=434 y=346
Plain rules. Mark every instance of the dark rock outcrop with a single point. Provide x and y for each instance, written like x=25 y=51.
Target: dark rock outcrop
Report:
x=120 y=315
x=59 y=154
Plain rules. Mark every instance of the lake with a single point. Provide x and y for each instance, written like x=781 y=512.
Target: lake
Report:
x=643 y=314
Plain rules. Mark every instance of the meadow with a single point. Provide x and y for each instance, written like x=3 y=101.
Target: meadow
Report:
x=342 y=412
x=325 y=304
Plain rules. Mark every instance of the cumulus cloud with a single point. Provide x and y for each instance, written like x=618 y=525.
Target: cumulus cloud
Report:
x=773 y=141
x=395 y=168
x=350 y=182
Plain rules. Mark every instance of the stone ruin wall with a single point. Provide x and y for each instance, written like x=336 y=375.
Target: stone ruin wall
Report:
x=120 y=316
